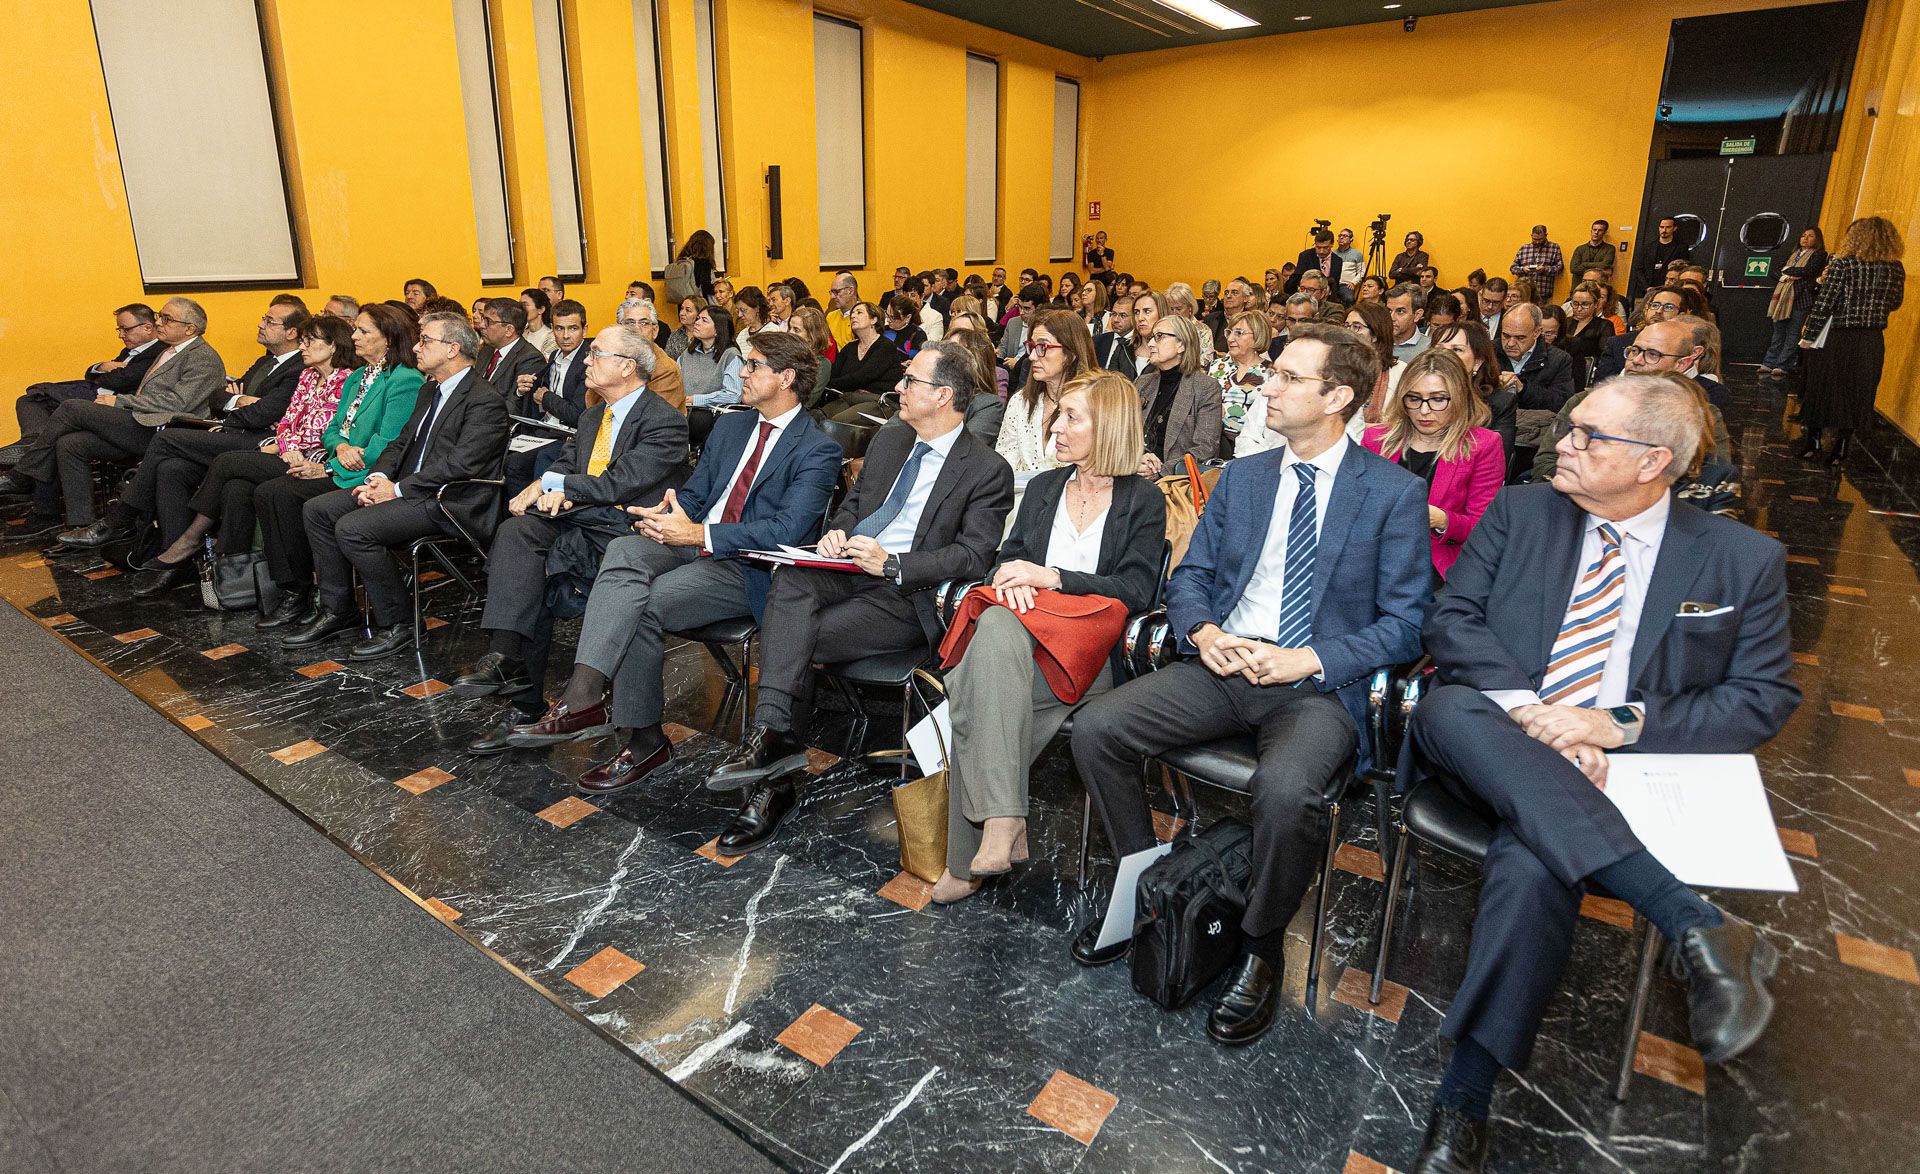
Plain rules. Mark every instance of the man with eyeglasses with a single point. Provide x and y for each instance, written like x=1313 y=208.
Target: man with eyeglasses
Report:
x=1670 y=346
x=1298 y=309
x=1308 y=571
x=631 y=447
x=57 y=468
x=1113 y=348
x=439 y=476
x=557 y=396
x=1320 y=259
x=1544 y=370
x=843 y=295
x=639 y=316
x=1013 y=340
x=507 y=356
x=1592 y=616
x=930 y=505
x=139 y=346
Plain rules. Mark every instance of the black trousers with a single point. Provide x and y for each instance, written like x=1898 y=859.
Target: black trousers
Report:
x=517 y=582
x=37 y=403
x=1304 y=737
x=826 y=615
x=278 y=504
x=346 y=537
x=176 y=463
x=1556 y=829
x=226 y=494
x=78 y=433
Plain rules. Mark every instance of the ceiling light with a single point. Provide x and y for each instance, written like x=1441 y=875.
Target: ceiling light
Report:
x=1211 y=13
x=1390 y=7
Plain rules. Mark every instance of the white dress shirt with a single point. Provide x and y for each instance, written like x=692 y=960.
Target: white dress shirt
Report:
x=1257 y=615
x=719 y=506
x=897 y=538
x=233 y=401
x=1640 y=538
x=426 y=431
x=1075 y=550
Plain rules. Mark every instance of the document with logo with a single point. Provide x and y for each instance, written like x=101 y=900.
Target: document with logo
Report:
x=1704 y=816
x=929 y=737
x=1118 y=926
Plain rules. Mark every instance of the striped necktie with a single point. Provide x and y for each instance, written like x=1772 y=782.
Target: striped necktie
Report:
x=1296 y=583
x=1580 y=650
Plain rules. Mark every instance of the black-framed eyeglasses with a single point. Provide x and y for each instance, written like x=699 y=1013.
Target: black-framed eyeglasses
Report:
x=165 y=319
x=1584 y=436
x=1434 y=403
x=1646 y=352
x=908 y=379
x=754 y=363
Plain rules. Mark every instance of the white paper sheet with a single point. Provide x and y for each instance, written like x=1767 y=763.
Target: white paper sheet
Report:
x=1118 y=926
x=925 y=746
x=1704 y=816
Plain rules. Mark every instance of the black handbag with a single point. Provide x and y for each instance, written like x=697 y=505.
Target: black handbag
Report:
x=1187 y=911
x=227 y=582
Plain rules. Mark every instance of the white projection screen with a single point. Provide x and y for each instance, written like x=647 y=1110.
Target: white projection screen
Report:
x=983 y=160
x=1066 y=168
x=840 y=133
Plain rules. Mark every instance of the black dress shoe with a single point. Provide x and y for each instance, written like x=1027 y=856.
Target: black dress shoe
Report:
x=165 y=579
x=1086 y=953
x=295 y=608
x=498 y=739
x=1728 y=1004
x=1245 y=1011
x=628 y=768
x=758 y=819
x=493 y=673
x=38 y=526
x=10 y=454
x=324 y=625
x=1455 y=1144
x=15 y=484
x=765 y=753
x=384 y=642
x=94 y=535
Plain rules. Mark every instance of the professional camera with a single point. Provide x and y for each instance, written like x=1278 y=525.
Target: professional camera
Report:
x=1378 y=228
x=1320 y=226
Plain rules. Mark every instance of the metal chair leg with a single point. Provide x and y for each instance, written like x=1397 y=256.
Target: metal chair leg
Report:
x=1382 y=823
x=418 y=631
x=746 y=682
x=1320 y=906
x=1637 y=1010
x=1086 y=836
x=1389 y=901
x=736 y=684
x=907 y=694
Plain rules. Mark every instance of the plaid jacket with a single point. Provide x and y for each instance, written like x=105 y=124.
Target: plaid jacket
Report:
x=1531 y=256
x=1856 y=293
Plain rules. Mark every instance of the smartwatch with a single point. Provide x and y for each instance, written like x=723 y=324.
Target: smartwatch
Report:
x=1628 y=719
x=891 y=568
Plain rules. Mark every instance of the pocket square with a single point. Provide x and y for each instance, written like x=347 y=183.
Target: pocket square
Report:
x=1701 y=611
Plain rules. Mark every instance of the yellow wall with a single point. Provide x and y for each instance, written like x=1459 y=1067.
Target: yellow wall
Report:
x=1877 y=172
x=1474 y=152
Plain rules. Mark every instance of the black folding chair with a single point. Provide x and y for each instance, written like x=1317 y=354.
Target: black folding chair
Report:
x=444 y=549
x=730 y=642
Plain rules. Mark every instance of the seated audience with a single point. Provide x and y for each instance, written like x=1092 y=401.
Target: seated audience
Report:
x=688 y=310
x=844 y=293
x=711 y=363
x=631 y=448
x=1436 y=429
x=1493 y=298
x=780 y=304
x=558 y=394
x=1092 y=527
x=749 y=309
x=1587 y=332
x=1553 y=323
x=810 y=324
x=1545 y=372
x=508 y=355
x=58 y=466
x=867 y=365
x=416 y=291
x=639 y=316
x=1407 y=309
x=1676 y=347
x=376 y=401
x=1498 y=389
x=1113 y=347
x=1531 y=697
x=1060 y=351
x=342 y=307
x=1182 y=405
x=1374 y=325
x=1371 y=289
x=539 y=332
x=1443 y=307
x=904 y=539
x=1013 y=337
x=424 y=484
x=1242 y=367
x=985 y=413
x=139 y=346
x=902 y=324
x=1092 y=307
x=1275 y=646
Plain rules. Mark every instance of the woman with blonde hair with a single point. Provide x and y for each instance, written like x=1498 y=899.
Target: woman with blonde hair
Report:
x=1844 y=334
x=1182 y=406
x=1058 y=350
x=1092 y=527
x=1181 y=299
x=1436 y=428
x=811 y=325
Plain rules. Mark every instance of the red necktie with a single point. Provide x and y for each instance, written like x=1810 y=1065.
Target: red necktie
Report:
x=737 y=500
x=493 y=366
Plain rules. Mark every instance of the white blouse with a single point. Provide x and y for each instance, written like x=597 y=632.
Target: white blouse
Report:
x=1023 y=436
x=1075 y=550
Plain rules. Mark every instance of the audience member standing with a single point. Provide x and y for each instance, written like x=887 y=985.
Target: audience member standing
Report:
x=1844 y=333
x=1539 y=261
x=1597 y=253
x=1792 y=301
x=1407 y=265
x=1651 y=270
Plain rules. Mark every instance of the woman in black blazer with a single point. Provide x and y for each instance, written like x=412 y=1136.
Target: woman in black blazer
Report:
x=866 y=368
x=1587 y=332
x=1093 y=527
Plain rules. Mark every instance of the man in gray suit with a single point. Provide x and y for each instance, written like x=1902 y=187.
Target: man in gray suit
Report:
x=182 y=381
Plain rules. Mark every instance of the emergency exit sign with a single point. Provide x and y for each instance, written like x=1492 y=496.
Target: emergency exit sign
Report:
x=1737 y=146
x=1759 y=266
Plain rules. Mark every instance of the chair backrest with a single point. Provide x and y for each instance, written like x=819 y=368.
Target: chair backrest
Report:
x=852 y=438
x=1166 y=569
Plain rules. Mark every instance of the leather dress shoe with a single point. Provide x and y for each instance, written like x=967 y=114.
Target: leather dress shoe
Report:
x=1454 y=1144
x=384 y=642
x=164 y=579
x=10 y=454
x=1728 y=1004
x=295 y=608
x=1245 y=1011
x=94 y=535
x=1087 y=953
x=15 y=484
x=765 y=753
x=499 y=737
x=324 y=625
x=759 y=818
x=560 y=724
x=38 y=526
x=627 y=768
x=493 y=673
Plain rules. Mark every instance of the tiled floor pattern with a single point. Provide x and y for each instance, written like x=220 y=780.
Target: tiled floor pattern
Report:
x=812 y=995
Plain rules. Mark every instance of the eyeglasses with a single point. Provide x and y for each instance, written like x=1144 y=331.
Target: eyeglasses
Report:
x=596 y=353
x=1288 y=378
x=755 y=363
x=1665 y=307
x=1166 y=334
x=908 y=379
x=427 y=338
x=1239 y=332
x=1646 y=352
x=164 y=319
x=1584 y=436
x=1435 y=404
x=1043 y=349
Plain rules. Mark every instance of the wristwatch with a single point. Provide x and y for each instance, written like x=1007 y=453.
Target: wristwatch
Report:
x=1628 y=719
x=891 y=568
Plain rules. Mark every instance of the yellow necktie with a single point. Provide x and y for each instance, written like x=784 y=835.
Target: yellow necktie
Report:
x=602 y=447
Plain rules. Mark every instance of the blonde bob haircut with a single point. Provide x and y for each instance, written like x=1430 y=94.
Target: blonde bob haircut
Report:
x=1469 y=410
x=1114 y=406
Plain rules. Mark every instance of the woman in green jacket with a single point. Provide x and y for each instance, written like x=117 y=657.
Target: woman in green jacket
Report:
x=374 y=408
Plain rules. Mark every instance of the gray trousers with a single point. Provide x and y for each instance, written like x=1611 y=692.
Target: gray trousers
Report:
x=643 y=591
x=1004 y=714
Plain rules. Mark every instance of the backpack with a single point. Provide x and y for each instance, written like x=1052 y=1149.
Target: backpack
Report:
x=1187 y=911
x=678 y=284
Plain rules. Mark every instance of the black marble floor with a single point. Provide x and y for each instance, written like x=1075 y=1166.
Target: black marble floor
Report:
x=809 y=995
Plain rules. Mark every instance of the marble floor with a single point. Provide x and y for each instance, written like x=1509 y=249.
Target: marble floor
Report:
x=812 y=998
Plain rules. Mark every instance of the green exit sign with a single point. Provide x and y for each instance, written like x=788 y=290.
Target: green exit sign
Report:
x=1737 y=146
x=1759 y=266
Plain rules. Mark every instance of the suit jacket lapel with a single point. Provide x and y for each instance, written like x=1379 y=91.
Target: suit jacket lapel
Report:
x=784 y=446
x=1563 y=536
x=1350 y=490
x=943 y=484
x=1113 y=535
x=1263 y=493
x=1682 y=555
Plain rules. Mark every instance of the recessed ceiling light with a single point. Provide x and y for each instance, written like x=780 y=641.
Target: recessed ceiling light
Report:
x=1303 y=18
x=1390 y=7
x=1211 y=13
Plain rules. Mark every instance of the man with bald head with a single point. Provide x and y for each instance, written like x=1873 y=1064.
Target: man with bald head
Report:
x=1670 y=347
x=1544 y=370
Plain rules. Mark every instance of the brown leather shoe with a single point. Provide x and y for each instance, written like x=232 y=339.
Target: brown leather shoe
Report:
x=624 y=770
x=559 y=724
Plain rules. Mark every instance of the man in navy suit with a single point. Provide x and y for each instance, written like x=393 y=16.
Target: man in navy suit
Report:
x=764 y=479
x=1586 y=616
x=139 y=347
x=1308 y=571
x=558 y=395
x=630 y=450
x=1322 y=259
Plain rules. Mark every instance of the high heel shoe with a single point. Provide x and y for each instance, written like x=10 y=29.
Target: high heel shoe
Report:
x=990 y=862
x=1809 y=446
x=950 y=889
x=1840 y=449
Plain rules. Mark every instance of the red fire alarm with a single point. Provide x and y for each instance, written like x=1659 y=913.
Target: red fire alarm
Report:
x=1093 y=209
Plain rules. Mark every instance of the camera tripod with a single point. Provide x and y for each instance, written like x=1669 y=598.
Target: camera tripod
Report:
x=1376 y=265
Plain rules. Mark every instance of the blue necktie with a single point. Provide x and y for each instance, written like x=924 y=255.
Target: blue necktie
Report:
x=896 y=501
x=1296 y=584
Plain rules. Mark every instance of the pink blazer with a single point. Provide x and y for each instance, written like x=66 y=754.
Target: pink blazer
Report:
x=1463 y=489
